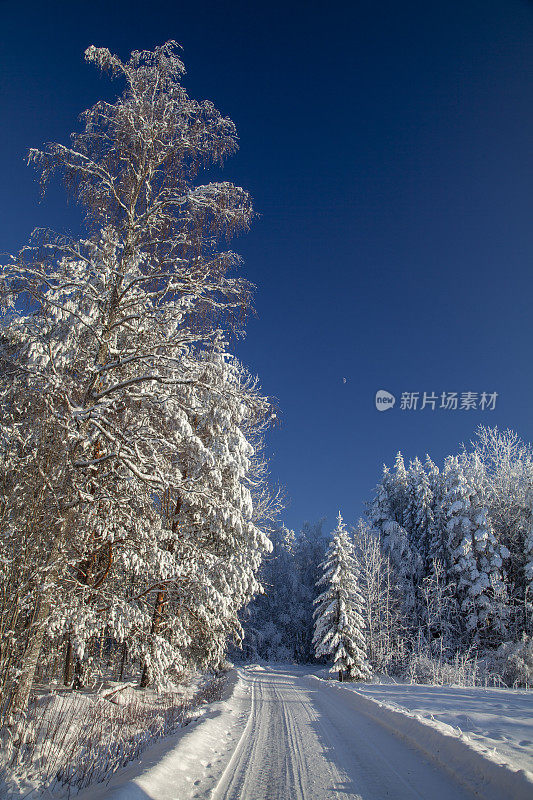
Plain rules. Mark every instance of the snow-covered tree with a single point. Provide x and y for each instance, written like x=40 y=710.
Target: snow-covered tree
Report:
x=279 y=623
x=423 y=513
x=387 y=513
x=219 y=520
x=339 y=624
x=528 y=575
x=504 y=466
x=107 y=332
x=381 y=606
x=273 y=622
x=309 y=551
x=460 y=546
x=475 y=558
x=437 y=539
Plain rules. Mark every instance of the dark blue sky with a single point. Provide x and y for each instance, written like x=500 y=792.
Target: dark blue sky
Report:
x=388 y=150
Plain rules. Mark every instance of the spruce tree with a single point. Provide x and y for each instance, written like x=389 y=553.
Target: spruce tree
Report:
x=474 y=556
x=339 y=626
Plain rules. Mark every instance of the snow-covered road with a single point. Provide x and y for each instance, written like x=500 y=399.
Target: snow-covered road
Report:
x=283 y=734
x=304 y=740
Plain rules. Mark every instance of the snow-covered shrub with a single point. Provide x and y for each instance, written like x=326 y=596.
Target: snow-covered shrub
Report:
x=421 y=669
x=73 y=740
x=464 y=669
x=514 y=662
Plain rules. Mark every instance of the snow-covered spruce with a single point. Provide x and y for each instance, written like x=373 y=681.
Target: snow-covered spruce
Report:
x=475 y=556
x=392 y=515
x=339 y=626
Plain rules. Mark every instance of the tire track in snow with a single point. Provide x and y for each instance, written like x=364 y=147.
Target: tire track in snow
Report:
x=302 y=742
x=220 y=789
x=296 y=766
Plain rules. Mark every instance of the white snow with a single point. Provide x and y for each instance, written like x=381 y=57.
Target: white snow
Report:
x=284 y=734
x=499 y=719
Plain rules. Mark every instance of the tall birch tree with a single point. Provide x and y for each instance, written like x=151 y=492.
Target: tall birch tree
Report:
x=103 y=331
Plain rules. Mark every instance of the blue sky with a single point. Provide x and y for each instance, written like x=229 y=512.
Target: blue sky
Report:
x=388 y=150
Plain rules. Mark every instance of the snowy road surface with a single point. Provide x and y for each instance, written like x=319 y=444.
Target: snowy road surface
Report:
x=283 y=734
x=304 y=740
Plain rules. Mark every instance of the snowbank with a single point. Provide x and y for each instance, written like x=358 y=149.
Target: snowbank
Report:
x=193 y=756
x=475 y=764
x=498 y=719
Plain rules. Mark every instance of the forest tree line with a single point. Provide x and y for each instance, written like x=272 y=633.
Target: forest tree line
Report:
x=444 y=565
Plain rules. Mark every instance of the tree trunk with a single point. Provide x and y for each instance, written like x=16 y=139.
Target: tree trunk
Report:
x=160 y=602
x=33 y=651
x=123 y=660
x=36 y=631
x=156 y=624
x=78 y=674
x=67 y=674
x=145 y=677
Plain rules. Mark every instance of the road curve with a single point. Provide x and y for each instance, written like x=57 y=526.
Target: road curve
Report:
x=303 y=740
